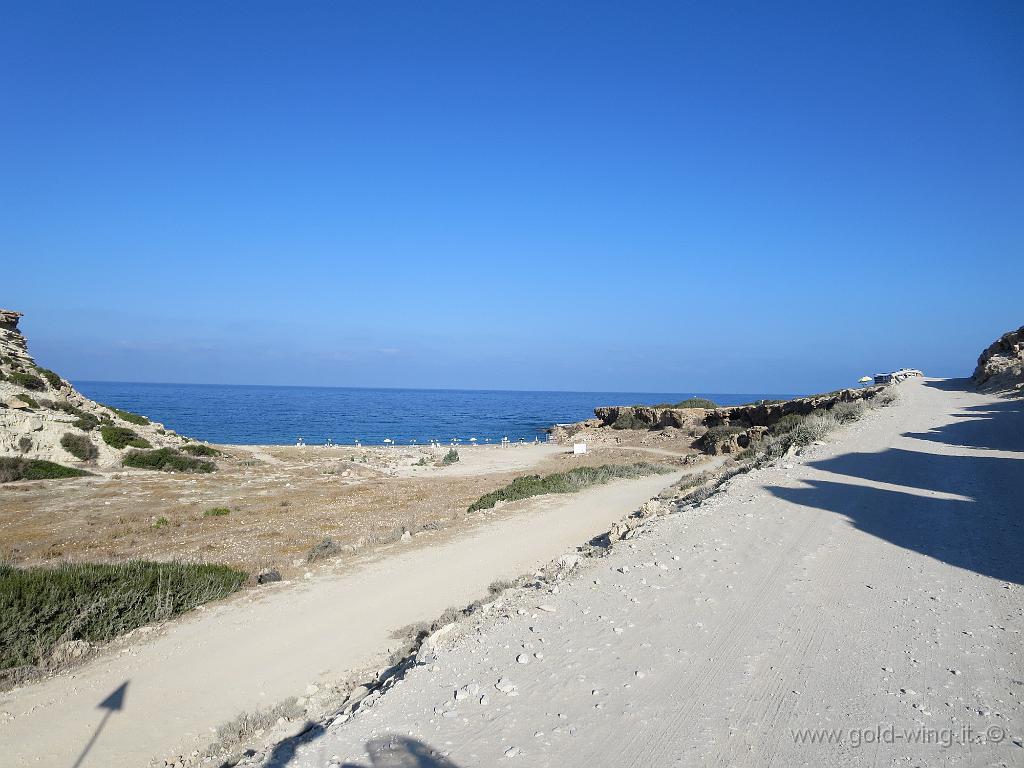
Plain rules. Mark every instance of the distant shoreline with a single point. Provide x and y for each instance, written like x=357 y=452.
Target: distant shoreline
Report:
x=256 y=414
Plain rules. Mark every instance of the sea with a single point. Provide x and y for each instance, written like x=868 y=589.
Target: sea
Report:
x=276 y=415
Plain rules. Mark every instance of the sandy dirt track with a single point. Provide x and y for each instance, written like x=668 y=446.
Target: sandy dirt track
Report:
x=858 y=605
x=255 y=651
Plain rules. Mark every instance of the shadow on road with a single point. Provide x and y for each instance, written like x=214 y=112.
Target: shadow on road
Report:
x=402 y=752
x=114 y=702
x=391 y=751
x=983 y=531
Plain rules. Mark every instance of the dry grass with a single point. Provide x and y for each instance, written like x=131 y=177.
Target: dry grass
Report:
x=283 y=501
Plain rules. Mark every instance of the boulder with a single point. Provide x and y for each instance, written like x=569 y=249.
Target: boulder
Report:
x=268 y=576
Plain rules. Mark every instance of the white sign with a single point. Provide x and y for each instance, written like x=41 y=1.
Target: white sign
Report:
x=579 y=447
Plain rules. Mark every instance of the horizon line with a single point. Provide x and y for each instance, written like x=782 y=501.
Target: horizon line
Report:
x=76 y=382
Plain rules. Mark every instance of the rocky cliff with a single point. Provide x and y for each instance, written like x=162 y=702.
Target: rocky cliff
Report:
x=1001 y=366
x=697 y=420
x=43 y=417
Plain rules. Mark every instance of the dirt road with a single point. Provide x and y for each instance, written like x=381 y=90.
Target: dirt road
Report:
x=859 y=605
x=253 y=652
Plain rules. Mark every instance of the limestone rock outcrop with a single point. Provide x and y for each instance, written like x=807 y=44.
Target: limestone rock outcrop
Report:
x=697 y=421
x=1001 y=365
x=39 y=410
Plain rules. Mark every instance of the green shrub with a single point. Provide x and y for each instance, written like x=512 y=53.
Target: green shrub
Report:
x=450 y=458
x=131 y=418
x=31 y=402
x=693 y=402
x=166 y=460
x=86 y=422
x=814 y=427
x=198 y=449
x=63 y=406
x=27 y=380
x=217 y=512
x=122 y=437
x=723 y=430
x=79 y=446
x=55 y=381
x=24 y=443
x=629 y=420
x=41 y=607
x=12 y=469
x=565 y=482
x=161 y=522
x=690 y=402
x=847 y=412
x=787 y=423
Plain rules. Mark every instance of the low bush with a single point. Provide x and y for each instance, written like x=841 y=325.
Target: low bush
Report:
x=719 y=434
x=16 y=468
x=27 y=380
x=43 y=607
x=888 y=397
x=31 y=402
x=450 y=458
x=122 y=437
x=565 y=482
x=166 y=460
x=24 y=443
x=723 y=430
x=786 y=424
x=629 y=420
x=131 y=418
x=691 y=402
x=161 y=522
x=326 y=548
x=55 y=381
x=217 y=512
x=814 y=427
x=246 y=724
x=86 y=422
x=847 y=412
x=79 y=446
x=198 y=449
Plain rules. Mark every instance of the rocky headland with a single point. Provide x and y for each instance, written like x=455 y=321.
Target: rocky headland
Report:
x=44 y=418
x=718 y=430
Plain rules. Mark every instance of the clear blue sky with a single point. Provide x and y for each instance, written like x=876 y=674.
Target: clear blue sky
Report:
x=739 y=197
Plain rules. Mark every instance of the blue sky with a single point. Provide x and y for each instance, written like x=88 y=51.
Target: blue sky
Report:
x=739 y=197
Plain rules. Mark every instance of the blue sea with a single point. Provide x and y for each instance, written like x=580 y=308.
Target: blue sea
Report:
x=243 y=414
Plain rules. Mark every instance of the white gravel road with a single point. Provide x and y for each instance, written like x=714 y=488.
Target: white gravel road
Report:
x=860 y=605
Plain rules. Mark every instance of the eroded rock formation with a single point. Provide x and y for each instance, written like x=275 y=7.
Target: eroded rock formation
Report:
x=1001 y=366
x=698 y=420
